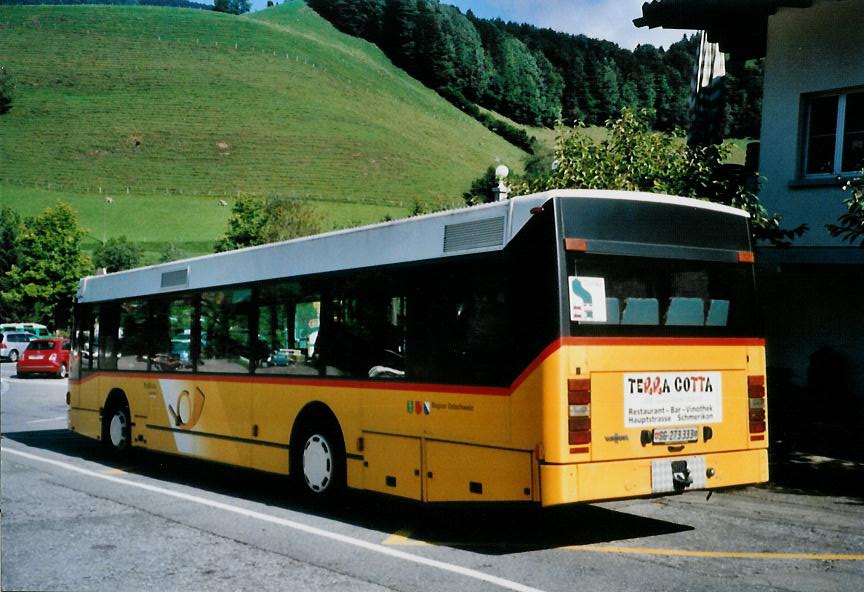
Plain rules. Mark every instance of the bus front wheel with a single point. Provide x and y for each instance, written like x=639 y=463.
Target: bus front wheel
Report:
x=318 y=461
x=117 y=428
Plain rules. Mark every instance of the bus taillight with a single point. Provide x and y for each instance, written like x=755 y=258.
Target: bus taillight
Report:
x=756 y=397
x=579 y=410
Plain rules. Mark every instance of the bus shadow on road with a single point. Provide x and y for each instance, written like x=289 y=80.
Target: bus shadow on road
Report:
x=489 y=528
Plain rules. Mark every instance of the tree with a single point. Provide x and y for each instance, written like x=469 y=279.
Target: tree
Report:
x=634 y=158
x=232 y=6
x=10 y=228
x=45 y=278
x=117 y=254
x=171 y=252
x=260 y=221
x=481 y=189
x=6 y=85
x=851 y=223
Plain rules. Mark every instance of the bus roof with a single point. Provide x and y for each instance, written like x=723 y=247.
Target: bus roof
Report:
x=477 y=229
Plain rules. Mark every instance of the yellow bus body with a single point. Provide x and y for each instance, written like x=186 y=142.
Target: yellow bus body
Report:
x=440 y=443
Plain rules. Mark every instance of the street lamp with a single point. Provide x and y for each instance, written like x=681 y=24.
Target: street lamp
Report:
x=501 y=191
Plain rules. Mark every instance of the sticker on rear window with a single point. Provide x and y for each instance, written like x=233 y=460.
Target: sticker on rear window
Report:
x=587 y=299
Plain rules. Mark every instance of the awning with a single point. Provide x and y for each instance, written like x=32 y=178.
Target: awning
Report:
x=738 y=26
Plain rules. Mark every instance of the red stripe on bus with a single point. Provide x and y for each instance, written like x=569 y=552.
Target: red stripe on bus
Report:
x=730 y=341
x=442 y=388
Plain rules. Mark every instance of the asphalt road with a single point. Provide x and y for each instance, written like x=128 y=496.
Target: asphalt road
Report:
x=73 y=519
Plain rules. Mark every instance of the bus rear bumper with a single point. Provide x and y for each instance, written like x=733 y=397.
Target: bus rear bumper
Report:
x=565 y=484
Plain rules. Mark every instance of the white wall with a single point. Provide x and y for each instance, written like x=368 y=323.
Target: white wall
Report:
x=809 y=50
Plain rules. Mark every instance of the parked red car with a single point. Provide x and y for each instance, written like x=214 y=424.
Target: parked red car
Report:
x=45 y=356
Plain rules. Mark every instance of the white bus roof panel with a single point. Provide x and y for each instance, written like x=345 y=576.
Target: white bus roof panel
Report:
x=477 y=229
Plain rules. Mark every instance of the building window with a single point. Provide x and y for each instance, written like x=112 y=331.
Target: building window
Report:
x=835 y=134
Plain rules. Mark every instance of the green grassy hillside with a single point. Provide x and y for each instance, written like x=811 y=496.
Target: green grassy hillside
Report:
x=170 y=111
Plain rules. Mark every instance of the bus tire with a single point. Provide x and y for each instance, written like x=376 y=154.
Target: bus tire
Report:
x=117 y=426
x=318 y=460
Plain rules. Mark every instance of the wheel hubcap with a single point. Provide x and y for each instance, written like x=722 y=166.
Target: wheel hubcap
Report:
x=117 y=430
x=317 y=463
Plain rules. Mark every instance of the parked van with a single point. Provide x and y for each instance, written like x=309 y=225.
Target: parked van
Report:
x=34 y=328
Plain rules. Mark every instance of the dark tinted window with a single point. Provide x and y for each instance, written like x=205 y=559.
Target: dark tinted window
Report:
x=170 y=345
x=822 y=135
x=225 y=343
x=460 y=323
x=615 y=295
x=107 y=327
x=853 y=133
x=134 y=348
x=363 y=331
x=289 y=317
x=41 y=345
x=630 y=221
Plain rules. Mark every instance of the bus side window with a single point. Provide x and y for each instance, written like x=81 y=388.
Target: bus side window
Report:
x=169 y=336
x=225 y=344
x=108 y=328
x=363 y=334
x=82 y=361
x=132 y=348
x=289 y=314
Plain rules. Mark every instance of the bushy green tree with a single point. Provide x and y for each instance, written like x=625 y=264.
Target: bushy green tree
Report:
x=10 y=228
x=232 y=6
x=171 y=252
x=117 y=254
x=481 y=189
x=50 y=263
x=5 y=91
x=256 y=221
x=634 y=158
x=850 y=225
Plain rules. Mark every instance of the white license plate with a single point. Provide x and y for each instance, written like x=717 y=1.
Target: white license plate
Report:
x=36 y=357
x=675 y=435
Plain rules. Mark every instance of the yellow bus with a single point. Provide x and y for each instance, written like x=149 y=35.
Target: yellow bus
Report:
x=561 y=347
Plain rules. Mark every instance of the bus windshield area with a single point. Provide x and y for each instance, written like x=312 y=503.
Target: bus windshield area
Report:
x=623 y=295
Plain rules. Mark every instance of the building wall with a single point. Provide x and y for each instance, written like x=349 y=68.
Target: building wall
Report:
x=814 y=324
x=811 y=297
x=809 y=50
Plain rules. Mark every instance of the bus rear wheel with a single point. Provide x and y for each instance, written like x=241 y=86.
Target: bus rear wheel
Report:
x=318 y=462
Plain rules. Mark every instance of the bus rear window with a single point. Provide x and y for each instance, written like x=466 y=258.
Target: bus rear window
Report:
x=618 y=295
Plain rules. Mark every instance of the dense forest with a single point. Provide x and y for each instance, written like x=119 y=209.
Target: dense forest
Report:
x=537 y=76
x=167 y=3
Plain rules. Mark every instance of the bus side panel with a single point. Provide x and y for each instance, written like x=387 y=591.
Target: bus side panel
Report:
x=534 y=402
x=393 y=465
x=274 y=409
x=456 y=472
x=481 y=417
x=84 y=415
x=276 y=405
x=133 y=387
x=226 y=420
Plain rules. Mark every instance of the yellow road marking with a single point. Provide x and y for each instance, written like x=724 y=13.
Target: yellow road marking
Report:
x=115 y=472
x=403 y=537
x=716 y=554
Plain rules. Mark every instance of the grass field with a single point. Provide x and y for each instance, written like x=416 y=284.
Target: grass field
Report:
x=169 y=111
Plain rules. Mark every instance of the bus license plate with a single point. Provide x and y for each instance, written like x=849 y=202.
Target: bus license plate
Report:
x=675 y=435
